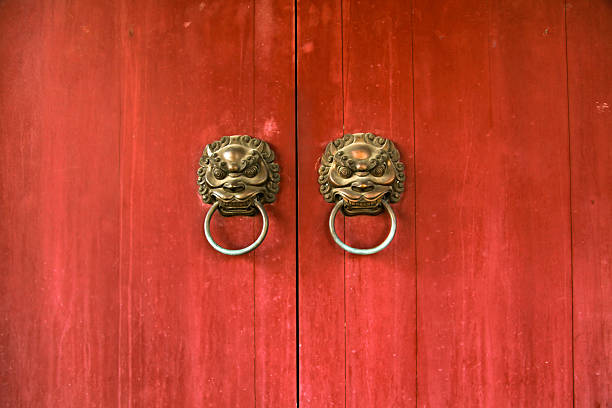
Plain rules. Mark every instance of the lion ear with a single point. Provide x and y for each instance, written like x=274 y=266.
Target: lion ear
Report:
x=393 y=152
x=330 y=150
x=210 y=148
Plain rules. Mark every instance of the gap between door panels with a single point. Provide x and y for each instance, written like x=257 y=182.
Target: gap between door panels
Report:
x=297 y=200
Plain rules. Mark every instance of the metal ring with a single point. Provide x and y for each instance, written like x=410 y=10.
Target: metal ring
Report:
x=258 y=241
x=364 y=251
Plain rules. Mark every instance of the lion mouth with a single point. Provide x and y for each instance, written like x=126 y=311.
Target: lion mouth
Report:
x=362 y=204
x=235 y=206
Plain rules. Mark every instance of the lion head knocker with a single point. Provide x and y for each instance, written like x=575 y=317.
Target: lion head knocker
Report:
x=235 y=171
x=237 y=175
x=362 y=174
x=362 y=169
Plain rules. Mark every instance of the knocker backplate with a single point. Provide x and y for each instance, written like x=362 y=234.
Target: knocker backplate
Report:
x=361 y=169
x=235 y=171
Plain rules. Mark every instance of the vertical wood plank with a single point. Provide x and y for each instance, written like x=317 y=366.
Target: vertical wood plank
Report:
x=494 y=278
x=187 y=311
x=321 y=262
x=380 y=288
x=589 y=30
x=59 y=126
x=275 y=261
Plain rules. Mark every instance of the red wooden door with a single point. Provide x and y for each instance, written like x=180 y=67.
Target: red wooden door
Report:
x=495 y=291
x=110 y=294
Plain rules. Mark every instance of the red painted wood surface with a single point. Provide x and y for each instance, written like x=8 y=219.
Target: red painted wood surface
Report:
x=275 y=261
x=187 y=314
x=380 y=289
x=321 y=263
x=112 y=296
x=493 y=219
x=357 y=314
x=493 y=222
x=59 y=204
x=589 y=49
x=199 y=328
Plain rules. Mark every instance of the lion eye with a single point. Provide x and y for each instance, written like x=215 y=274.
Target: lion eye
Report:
x=251 y=171
x=378 y=170
x=219 y=174
x=345 y=171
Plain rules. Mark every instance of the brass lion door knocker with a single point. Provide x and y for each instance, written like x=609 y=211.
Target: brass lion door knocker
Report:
x=237 y=175
x=362 y=174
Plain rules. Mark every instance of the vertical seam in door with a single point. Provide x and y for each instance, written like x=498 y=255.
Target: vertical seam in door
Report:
x=297 y=192
x=120 y=295
x=253 y=257
x=569 y=157
x=121 y=106
x=343 y=218
x=416 y=286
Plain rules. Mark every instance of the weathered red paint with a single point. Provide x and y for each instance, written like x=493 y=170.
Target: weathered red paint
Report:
x=321 y=262
x=111 y=296
x=493 y=220
x=589 y=54
x=59 y=205
x=380 y=302
x=198 y=327
x=494 y=293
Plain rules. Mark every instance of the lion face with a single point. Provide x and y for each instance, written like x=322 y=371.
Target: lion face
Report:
x=235 y=171
x=361 y=169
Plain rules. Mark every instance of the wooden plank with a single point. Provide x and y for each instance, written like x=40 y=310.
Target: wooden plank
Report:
x=380 y=289
x=589 y=29
x=187 y=311
x=59 y=110
x=493 y=231
x=321 y=270
x=275 y=262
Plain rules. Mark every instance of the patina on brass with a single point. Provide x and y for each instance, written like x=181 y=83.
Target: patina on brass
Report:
x=362 y=170
x=235 y=171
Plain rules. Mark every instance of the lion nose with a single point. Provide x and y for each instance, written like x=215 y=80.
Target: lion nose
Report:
x=362 y=186
x=233 y=187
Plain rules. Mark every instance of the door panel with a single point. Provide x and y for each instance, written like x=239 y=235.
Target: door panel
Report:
x=275 y=260
x=357 y=313
x=187 y=79
x=59 y=204
x=589 y=29
x=493 y=220
x=380 y=289
x=200 y=328
x=492 y=230
x=113 y=297
x=321 y=264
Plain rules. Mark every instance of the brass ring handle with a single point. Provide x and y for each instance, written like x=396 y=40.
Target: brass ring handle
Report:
x=258 y=241
x=362 y=251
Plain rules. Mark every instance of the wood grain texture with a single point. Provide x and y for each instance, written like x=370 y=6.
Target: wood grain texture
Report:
x=380 y=289
x=493 y=222
x=187 y=314
x=589 y=30
x=275 y=262
x=59 y=201
x=357 y=317
x=321 y=262
x=191 y=332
